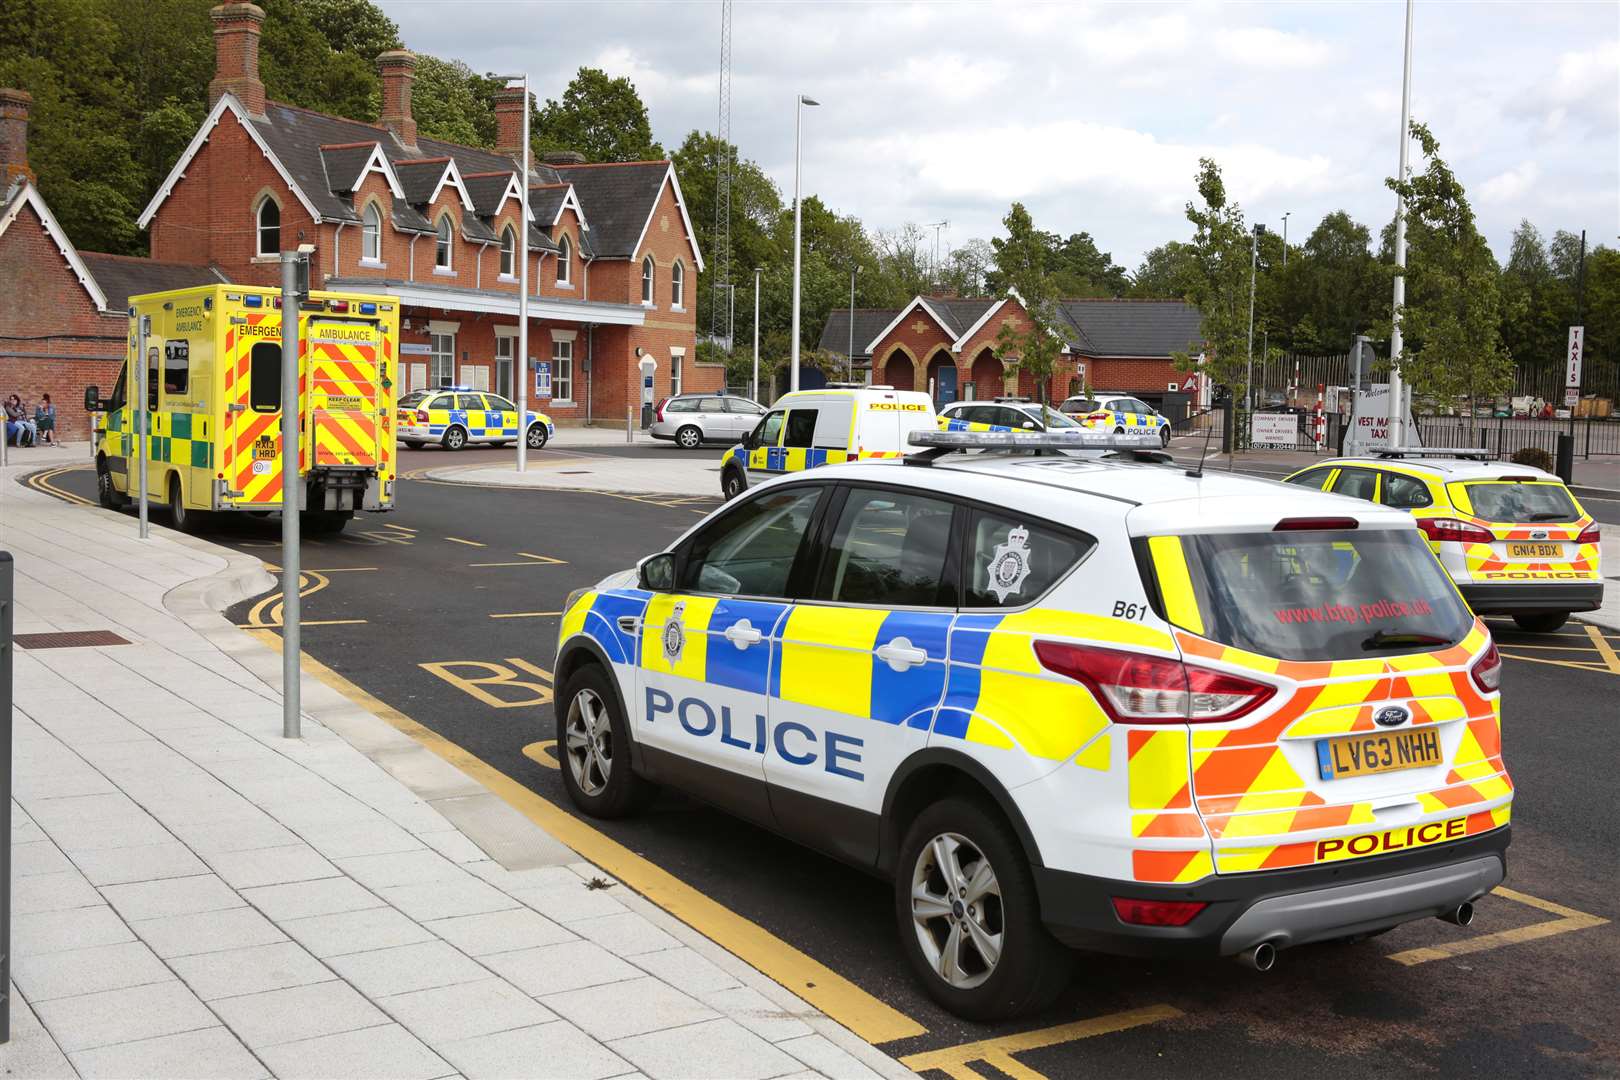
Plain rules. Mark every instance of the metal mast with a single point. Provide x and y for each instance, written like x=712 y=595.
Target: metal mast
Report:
x=721 y=255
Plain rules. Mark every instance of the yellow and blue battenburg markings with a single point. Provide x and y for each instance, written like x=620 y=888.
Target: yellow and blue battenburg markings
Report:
x=481 y=423
x=785 y=459
x=950 y=423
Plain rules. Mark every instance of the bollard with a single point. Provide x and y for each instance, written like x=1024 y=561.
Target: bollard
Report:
x=629 y=423
x=1566 y=458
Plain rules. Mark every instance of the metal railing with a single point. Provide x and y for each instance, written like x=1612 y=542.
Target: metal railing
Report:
x=1504 y=435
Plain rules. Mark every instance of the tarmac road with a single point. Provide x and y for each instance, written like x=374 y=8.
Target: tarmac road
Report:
x=446 y=611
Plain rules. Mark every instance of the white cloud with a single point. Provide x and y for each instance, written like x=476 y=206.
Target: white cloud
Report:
x=1511 y=185
x=1265 y=47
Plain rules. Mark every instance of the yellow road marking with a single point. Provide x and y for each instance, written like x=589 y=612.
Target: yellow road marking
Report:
x=1568 y=920
x=301 y=622
x=532 y=560
x=1581 y=665
x=871 y=1019
x=543 y=753
x=41 y=482
x=274 y=569
x=469 y=543
x=1605 y=650
x=526 y=614
x=954 y=1060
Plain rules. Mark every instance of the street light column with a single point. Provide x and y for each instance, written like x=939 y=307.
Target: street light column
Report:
x=756 y=333
x=798 y=160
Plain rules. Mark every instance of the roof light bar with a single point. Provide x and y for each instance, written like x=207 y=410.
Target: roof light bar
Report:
x=1033 y=440
x=1470 y=453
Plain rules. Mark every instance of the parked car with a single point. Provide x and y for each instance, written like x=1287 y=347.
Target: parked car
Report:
x=690 y=420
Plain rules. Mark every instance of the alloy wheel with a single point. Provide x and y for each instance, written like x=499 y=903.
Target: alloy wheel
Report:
x=956 y=910
x=589 y=738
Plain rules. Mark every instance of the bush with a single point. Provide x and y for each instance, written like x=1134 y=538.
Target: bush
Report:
x=1535 y=457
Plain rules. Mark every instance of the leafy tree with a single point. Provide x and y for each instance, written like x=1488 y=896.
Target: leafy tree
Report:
x=1020 y=266
x=964 y=273
x=1080 y=270
x=1335 y=282
x=452 y=102
x=300 y=66
x=1216 y=278
x=1164 y=272
x=1452 y=320
x=353 y=26
x=1536 y=306
x=601 y=117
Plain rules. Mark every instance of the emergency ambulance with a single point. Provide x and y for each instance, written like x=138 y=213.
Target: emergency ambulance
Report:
x=213 y=391
x=1060 y=699
x=1513 y=538
x=809 y=428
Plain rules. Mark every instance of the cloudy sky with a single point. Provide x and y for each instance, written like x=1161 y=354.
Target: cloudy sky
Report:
x=1094 y=115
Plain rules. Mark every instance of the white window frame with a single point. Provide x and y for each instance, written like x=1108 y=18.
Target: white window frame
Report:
x=444 y=242
x=565 y=263
x=649 y=281
x=259 y=227
x=505 y=357
x=562 y=367
x=438 y=334
x=676 y=357
x=677 y=286
x=508 y=254
x=371 y=235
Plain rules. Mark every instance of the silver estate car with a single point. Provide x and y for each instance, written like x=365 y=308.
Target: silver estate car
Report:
x=690 y=420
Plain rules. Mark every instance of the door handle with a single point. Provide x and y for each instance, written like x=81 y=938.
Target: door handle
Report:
x=742 y=635
x=900 y=654
x=629 y=624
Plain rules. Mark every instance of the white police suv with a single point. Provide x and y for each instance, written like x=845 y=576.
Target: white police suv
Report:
x=1058 y=697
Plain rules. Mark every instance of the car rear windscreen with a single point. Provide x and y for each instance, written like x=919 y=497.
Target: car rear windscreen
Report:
x=1520 y=502
x=1324 y=595
x=1079 y=405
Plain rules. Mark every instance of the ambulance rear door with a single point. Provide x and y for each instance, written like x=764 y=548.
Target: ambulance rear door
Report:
x=346 y=407
x=250 y=455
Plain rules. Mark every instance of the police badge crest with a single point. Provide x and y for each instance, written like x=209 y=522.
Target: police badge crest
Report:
x=674 y=634
x=1009 y=564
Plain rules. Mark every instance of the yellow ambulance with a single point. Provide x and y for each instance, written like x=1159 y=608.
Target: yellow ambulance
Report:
x=213 y=395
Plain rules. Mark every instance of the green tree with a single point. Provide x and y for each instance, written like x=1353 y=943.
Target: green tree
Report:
x=1537 y=306
x=1451 y=322
x=1335 y=282
x=300 y=66
x=1021 y=267
x=1216 y=280
x=353 y=26
x=452 y=102
x=601 y=117
x=1164 y=272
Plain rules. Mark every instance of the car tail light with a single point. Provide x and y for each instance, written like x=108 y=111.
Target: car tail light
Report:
x=1137 y=689
x=1157 y=912
x=1450 y=529
x=337 y=305
x=1590 y=535
x=421 y=416
x=660 y=409
x=1309 y=524
x=1487 y=670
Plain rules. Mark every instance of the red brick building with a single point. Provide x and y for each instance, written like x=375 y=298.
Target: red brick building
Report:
x=947 y=345
x=613 y=260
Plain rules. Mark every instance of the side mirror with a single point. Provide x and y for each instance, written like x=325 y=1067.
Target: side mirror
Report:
x=1029 y=425
x=656 y=573
x=92 y=399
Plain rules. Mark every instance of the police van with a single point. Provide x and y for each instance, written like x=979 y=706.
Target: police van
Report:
x=806 y=429
x=1060 y=699
x=213 y=398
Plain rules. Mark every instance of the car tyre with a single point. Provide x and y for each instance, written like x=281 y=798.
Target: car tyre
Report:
x=455 y=438
x=413 y=444
x=732 y=483
x=1164 y=437
x=1542 y=622
x=689 y=438
x=536 y=437
x=181 y=516
x=324 y=522
x=963 y=848
x=1119 y=430
x=593 y=748
x=109 y=497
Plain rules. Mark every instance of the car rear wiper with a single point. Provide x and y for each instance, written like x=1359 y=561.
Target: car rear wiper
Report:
x=1385 y=638
x=1549 y=516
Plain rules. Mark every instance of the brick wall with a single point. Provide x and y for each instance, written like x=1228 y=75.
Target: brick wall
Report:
x=52 y=338
x=1133 y=374
x=923 y=336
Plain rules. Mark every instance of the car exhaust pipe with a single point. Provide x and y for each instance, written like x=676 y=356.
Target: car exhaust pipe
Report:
x=1261 y=957
x=1461 y=915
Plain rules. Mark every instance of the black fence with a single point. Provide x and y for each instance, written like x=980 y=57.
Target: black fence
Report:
x=1504 y=435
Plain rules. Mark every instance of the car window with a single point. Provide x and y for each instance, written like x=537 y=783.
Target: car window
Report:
x=1520 y=503
x=768 y=429
x=1405 y=492
x=750 y=550
x=1356 y=483
x=443 y=401
x=1138 y=405
x=498 y=402
x=742 y=405
x=470 y=401
x=711 y=404
x=1311 y=478
x=1080 y=405
x=1013 y=418
x=801 y=428
x=889 y=549
x=1055 y=419
x=413 y=398
x=1117 y=405
x=1011 y=561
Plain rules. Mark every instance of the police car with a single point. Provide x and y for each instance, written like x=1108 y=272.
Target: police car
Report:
x=1060 y=700
x=454 y=416
x=806 y=429
x=1513 y=538
x=1004 y=414
x=1110 y=410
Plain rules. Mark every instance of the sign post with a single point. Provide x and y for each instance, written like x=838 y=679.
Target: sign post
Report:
x=1572 y=370
x=294 y=287
x=142 y=420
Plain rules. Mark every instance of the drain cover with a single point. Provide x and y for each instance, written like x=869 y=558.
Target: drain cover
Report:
x=69 y=639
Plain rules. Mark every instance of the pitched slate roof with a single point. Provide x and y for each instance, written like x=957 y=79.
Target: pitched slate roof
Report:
x=868 y=322
x=124 y=276
x=618 y=199
x=1132 y=327
x=343 y=164
x=420 y=178
x=486 y=190
x=958 y=313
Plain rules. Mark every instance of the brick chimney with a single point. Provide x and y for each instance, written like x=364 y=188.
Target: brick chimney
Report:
x=236 y=56
x=398 y=68
x=509 y=104
x=14 y=137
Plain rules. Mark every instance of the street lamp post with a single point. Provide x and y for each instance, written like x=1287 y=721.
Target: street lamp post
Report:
x=800 y=101
x=1248 y=368
x=849 y=357
x=756 y=332
x=1397 y=414
x=1285 y=238
x=522 y=365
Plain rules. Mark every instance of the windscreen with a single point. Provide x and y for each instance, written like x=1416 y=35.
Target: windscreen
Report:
x=1055 y=420
x=1521 y=502
x=1324 y=595
x=413 y=398
x=1079 y=405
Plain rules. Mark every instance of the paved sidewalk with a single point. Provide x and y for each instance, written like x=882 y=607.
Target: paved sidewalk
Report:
x=197 y=896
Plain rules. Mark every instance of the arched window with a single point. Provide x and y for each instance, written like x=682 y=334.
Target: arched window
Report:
x=441 y=250
x=677 y=285
x=269 y=223
x=508 y=251
x=371 y=233
x=647 y=281
x=565 y=261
